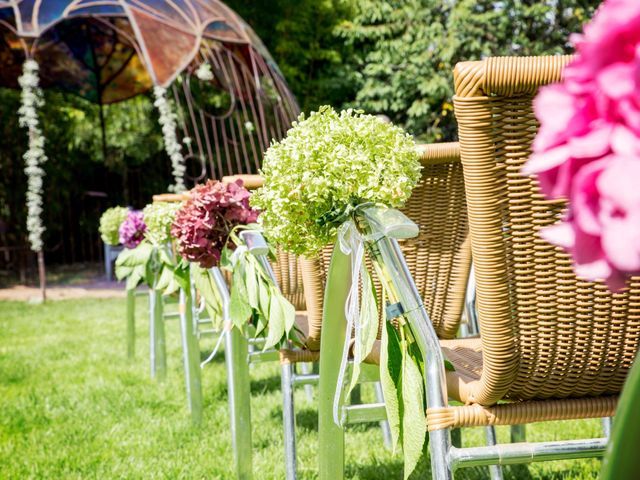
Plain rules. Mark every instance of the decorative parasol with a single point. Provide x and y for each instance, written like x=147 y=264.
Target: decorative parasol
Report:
x=231 y=100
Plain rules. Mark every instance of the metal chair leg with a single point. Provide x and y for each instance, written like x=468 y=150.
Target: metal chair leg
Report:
x=439 y=446
x=288 y=418
x=239 y=392
x=384 y=425
x=157 y=342
x=494 y=470
x=191 y=357
x=131 y=323
x=307 y=368
x=518 y=433
x=607 y=425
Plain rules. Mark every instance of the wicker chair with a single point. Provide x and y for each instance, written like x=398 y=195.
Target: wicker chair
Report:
x=552 y=346
x=439 y=258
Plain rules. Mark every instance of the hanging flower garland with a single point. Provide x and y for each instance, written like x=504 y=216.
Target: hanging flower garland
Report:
x=171 y=144
x=31 y=99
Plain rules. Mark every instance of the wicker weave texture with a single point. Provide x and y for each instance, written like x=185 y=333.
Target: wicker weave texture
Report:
x=545 y=333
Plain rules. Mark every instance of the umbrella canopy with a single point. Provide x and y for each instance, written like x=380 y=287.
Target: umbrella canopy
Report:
x=109 y=50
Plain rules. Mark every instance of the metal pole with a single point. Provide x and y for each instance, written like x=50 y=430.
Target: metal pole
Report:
x=288 y=418
x=131 y=323
x=239 y=386
x=494 y=470
x=512 y=453
x=157 y=341
x=191 y=357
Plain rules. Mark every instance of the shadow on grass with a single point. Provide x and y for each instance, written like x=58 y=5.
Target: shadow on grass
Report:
x=265 y=385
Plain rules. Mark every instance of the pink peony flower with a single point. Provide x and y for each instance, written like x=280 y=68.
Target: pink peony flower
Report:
x=203 y=224
x=588 y=147
x=132 y=230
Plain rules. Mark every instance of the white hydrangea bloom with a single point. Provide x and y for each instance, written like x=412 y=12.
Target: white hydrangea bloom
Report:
x=329 y=163
x=171 y=143
x=204 y=72
x=31 y=99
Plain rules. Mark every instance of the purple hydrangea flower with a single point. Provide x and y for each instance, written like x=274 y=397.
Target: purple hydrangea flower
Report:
x=132 y=230
x=203 y=224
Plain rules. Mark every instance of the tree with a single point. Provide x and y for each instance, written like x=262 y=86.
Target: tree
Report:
x=406 y=50
x=300 y=36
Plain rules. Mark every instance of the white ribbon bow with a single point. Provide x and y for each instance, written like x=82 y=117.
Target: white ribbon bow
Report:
x=351 y=242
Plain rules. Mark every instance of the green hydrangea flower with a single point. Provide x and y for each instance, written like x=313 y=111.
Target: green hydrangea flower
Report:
x=110 y=222
x=158 y=217
x=328 y=164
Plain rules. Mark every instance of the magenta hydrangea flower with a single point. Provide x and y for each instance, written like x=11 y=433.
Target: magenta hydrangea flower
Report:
x=203 y=224
x=588 y=146
x=132 y=230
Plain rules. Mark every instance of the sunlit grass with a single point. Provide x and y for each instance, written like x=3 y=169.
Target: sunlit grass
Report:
x=73 y=407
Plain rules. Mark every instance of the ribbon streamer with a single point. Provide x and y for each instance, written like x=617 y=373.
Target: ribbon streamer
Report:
x=381 y=221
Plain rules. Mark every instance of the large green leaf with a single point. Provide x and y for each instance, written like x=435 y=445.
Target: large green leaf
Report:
x=239 y=309
x=251 y=281
x=414 y=422
x=264 y=297
x=205 y=285
x=131 y=257
x=276 y=323
x=181 y=275
x=288 y=311
x=136 y=276
x=167 y=282
x=390 y=372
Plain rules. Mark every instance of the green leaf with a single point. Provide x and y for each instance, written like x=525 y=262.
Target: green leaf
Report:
x=205 y=285
x=132 y=257
x=414 y=422
x=250 y=280
x=136 y=276
x=181 y=275
x=167 y=282
x=276 y=323
x=448 y=366
x=123 y=272
x=390 y=371
x=288 y=311
x=225 y=259
x=239 y=308
x=264 y=297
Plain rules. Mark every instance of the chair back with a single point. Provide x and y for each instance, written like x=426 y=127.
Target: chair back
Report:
x=545 y=333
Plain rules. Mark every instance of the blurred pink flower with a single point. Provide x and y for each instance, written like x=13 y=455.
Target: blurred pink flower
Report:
x=203 y=224
x=132 y=230
x=588 y=146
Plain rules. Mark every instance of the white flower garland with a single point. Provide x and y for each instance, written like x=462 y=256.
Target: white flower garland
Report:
x=171 y=144
x=31 y=99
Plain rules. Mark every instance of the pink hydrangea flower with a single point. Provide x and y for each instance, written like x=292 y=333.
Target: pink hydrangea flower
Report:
x=203 y=224
x=132 y=230
x=588 y=147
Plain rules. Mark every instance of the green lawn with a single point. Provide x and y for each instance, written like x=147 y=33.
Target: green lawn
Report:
x=72 y=406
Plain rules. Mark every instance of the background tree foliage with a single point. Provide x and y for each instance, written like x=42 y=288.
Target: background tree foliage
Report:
x=384 y=56
x=405 y=50
x=300 y=34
